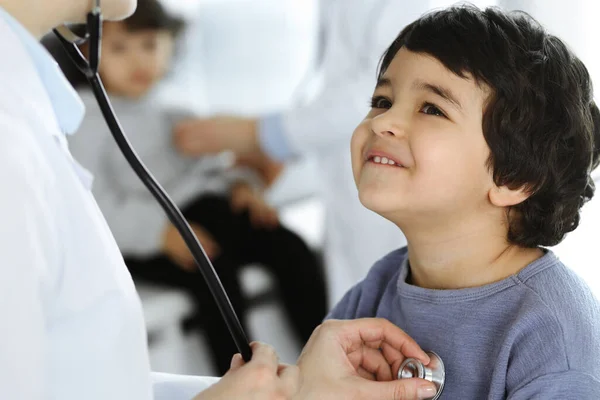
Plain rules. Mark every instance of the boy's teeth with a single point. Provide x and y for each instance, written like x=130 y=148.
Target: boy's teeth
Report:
x=383 y=160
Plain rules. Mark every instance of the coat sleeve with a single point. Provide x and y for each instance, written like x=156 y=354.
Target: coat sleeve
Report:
x=360 y=33
x=179 y=387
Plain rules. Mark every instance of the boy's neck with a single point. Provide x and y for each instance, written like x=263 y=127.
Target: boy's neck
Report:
x=458 y=259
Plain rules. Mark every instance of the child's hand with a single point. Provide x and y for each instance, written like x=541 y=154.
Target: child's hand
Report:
x=175 y=248
x=261 y=214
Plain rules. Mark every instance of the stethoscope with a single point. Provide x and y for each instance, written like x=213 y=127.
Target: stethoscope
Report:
x=90 y=69
x=410 y=368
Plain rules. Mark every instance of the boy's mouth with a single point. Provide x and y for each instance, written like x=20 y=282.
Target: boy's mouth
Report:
x=377 y=157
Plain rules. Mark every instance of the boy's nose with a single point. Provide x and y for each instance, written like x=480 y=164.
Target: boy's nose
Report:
x=387 y=124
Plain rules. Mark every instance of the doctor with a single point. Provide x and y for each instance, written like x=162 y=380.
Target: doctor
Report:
x=72 y=326
x=356 y=33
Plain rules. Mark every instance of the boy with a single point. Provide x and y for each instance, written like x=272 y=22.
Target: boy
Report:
x=231 y=221
x=479 y=146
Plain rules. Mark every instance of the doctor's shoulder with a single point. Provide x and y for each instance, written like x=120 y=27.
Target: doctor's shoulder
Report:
x=21 y=157
x=555 y=333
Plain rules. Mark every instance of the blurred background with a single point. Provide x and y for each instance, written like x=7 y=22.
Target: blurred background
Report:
x=256 y=57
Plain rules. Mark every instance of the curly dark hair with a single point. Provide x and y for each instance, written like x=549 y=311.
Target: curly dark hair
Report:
x=540 y=122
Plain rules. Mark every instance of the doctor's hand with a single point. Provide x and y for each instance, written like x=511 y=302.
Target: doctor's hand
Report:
x=175 y=248
x=359 y=359
x=213 y=135
x=262 y=378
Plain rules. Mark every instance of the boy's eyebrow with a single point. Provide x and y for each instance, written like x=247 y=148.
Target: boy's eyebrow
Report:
x=441 y=91
x=383 y=82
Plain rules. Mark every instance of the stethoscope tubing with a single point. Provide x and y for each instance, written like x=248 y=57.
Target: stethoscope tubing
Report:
x=206 y=268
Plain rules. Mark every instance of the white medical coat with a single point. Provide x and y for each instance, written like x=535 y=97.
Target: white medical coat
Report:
x=358 y=32
x=71 y=321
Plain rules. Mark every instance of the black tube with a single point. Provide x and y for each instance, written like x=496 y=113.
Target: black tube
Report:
x=89 y=69
x=177 y=219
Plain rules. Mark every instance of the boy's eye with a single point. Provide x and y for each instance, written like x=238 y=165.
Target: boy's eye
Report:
x=431 y=109
x=380 y=102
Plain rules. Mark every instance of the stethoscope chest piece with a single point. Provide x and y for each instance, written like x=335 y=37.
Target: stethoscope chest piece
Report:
x=434 y=372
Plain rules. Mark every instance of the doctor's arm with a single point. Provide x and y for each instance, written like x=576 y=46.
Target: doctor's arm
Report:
x=28 y=252
x=329 y=120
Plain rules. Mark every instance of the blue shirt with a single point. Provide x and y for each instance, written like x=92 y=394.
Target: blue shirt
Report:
x=534 y=335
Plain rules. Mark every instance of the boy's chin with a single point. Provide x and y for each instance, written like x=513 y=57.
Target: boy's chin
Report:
x=379 y=203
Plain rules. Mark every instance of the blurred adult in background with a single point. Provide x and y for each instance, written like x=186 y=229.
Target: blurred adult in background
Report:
x=355 y=34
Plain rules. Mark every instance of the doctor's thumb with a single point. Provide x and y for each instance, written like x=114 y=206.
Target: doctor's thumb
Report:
x=404 y=389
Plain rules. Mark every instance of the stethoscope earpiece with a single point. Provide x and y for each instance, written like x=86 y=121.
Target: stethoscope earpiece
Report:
x=73 y=35
x=434 y=372
x=76 y=33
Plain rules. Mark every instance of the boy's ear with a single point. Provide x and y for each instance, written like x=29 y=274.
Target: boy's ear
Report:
x=503 y=196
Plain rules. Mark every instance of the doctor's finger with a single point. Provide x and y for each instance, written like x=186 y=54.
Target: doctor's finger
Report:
x=391 y=354
x=373 y=361
x=366 y=330
x=236 y=362
x=405 y=389
x=290 y=379
x=264 y=356
x=363 y=373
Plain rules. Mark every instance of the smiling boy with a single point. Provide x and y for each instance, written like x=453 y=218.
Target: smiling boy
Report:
x=479 y=146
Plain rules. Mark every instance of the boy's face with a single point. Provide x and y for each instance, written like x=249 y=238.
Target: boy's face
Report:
x=133 y=62
x=428 y=121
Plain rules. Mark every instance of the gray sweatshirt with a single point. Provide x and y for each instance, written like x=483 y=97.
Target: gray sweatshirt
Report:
x=135 y=218
x=534 y=335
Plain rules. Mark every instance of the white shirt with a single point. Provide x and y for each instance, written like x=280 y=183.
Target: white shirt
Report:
x=72 y=324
